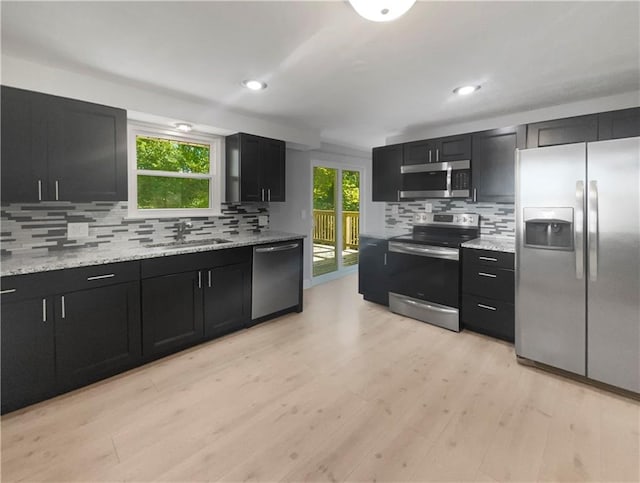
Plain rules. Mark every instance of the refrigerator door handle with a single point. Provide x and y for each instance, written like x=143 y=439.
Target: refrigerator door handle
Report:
x=593 y=231
x=578 y=230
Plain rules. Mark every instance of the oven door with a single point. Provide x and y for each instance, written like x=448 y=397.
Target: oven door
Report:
x=423 y=283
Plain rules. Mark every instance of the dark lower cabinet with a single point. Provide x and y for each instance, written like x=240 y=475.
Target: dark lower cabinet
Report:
x=28 y=352
x=97 y=333
x=227 y=299
x=172 y=317
x=488 y=283
x=373 y=278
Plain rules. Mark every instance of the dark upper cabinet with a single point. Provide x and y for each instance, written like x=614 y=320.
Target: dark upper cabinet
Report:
x=97 y=333
x=61 y=149
x=493 y=155
x=28 y=351
x=563 y=131
x=255 y=168
x=172 y=316
x=386 y=179
x=624 y=123
x=373 y=278
x=24 y=149
x=87 y=151
x=453 y=148
x=419 y=152
x=227 y=299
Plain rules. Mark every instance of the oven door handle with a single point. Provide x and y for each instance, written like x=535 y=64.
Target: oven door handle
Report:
x=422 y=251
x=429 y=306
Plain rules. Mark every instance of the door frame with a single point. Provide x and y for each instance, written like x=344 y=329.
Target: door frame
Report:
x=341 y=271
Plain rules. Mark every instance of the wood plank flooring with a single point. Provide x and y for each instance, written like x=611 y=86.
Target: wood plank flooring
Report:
x=345 y=391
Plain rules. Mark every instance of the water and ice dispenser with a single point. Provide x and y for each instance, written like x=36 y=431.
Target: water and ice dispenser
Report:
x=548 y=228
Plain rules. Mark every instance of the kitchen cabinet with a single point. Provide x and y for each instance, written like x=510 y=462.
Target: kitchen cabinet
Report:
x=61 y=149
x=441 y=150
x=255 y=168
x=624 y=123
x=386 y=178
x=562 y=131
x=488 y=282
x=227 y=299
x=419 y=152
x=373 y=277
x=493 y=155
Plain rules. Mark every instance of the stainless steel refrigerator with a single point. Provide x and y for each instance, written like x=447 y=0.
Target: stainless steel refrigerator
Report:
x=578 y=259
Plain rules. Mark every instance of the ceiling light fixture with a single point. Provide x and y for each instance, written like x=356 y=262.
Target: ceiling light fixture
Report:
x=381 y=10
x=465 y=90
x=183 y=126
x=254 y=85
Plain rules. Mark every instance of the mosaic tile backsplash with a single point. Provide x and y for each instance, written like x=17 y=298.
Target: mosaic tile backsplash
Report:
x=496 y=219
x=43 y=226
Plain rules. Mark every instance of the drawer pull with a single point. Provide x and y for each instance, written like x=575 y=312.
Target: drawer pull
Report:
x=372 y=244
x=487 y=307
x=490 y=275
x=9 y=290
x=488 y=259
x=101 y=277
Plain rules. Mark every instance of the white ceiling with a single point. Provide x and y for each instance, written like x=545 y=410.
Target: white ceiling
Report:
x=354 y=81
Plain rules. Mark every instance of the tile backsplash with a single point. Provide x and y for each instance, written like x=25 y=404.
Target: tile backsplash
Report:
x=43 y=226
x=495 y=218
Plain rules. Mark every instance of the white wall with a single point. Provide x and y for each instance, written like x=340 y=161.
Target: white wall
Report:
x=296 y=214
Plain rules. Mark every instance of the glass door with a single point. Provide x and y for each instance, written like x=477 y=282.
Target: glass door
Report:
x=336 y=220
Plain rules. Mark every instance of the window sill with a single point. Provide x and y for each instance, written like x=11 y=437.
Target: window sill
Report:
x=168 y=213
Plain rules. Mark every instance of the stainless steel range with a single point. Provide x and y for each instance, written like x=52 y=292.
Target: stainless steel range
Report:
x=424 y=267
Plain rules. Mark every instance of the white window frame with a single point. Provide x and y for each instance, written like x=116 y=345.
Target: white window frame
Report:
x=215 y=144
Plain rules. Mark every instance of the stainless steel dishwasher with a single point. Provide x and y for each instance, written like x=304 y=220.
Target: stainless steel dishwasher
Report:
x=276 y=278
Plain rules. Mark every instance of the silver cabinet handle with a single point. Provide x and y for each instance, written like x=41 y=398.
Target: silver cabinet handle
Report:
x=475 y=195
x=199 y=279
x=269 y=194
x=385 y=259
x=101 y=277
x=484 y=274
x=488 y=259
x=398 y=195
x=57 y=191
x=437 y=155
x=369 y=244
x=63 y=307
x=39 y=190
x=209 y=276
x=578 y=230
x=262 y=194
x=487 y=307
x=8 y=290
x=429 y=155
x=593 y=231
x=278 y=248
x=44 y=310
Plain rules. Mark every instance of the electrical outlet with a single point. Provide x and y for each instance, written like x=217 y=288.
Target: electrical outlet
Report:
x=77 y=230
x=428 y=207
x=263 y=220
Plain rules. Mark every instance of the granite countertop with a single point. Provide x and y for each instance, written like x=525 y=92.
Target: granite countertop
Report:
x=385 y=234
x=494 y=243
x=72 y=258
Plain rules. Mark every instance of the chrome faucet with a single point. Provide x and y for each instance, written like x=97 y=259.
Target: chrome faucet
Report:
x=181 y=230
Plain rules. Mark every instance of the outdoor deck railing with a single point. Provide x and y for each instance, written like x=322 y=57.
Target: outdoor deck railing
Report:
x=324 y=228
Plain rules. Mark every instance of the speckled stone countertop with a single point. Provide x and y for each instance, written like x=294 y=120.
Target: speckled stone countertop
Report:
x=80 y=257
x=494 y=243
x=385 y=234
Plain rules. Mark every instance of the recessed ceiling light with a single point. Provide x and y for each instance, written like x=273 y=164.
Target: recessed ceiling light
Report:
x=254 y=85
x=465 y=90
x=183 y=126
x=381 y=10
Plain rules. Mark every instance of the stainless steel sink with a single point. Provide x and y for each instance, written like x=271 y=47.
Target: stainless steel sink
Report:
x=191 y=243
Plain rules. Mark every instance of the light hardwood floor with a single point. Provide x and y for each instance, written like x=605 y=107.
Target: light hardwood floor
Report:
x=345 y=391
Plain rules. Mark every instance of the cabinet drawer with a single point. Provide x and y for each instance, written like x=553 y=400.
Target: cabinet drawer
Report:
x=488 y=316
x=494 y=283
x=490 y=258
x=29 y=286
x=97 y=276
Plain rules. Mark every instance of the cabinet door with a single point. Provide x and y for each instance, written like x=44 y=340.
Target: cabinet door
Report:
x=97 y=333
x=386 y=178
x=453 y=148
x=87 y=151
x=493 y=158
x=227 y=299
x=273 y=169
x=172 y=313
x=28 y=363
x=372 y=270
x=419 y=152
x=563 y=131
x=250 y=169
x=619 y=124
x=24 y=154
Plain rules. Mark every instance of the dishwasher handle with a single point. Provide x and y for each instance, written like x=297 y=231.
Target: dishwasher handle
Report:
x=279 y=248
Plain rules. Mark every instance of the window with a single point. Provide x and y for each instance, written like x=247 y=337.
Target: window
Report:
x=173 y=174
